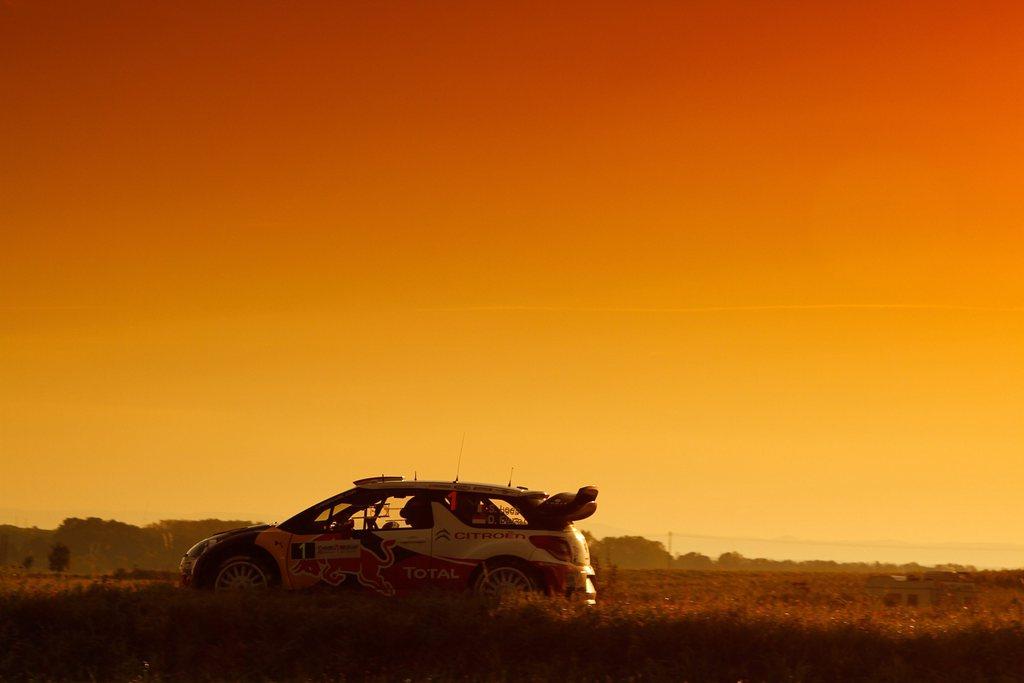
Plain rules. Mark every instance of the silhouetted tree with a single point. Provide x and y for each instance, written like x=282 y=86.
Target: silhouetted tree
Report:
x=60 y=557
x=731 y=560
x=630 y=552
x=693 y=561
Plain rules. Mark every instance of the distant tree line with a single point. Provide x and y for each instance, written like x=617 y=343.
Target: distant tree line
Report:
x=637 y=552
x=98 y=546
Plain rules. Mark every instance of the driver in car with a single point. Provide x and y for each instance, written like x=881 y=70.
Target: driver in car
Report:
x=416 y=514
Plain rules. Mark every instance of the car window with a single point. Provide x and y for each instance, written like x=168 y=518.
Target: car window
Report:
x=390 y=513
x=330 y=514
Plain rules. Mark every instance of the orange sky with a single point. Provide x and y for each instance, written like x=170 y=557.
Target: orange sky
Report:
x=753 y=268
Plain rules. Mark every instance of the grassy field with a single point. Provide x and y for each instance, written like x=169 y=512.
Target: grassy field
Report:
x=649 y=625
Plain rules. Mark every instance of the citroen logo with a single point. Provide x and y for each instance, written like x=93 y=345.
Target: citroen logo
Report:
x=442 y=535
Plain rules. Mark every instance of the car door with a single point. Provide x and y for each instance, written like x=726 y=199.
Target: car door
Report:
x=369 y=546
x=398 y=544
x=454 y=546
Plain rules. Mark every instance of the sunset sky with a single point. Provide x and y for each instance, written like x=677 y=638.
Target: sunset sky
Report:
x=755 y=269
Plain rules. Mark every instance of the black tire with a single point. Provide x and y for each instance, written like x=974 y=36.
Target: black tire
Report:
x=243 y=572
x=503 y=577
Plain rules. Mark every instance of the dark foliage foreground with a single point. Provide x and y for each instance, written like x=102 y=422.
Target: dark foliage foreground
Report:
x=162 y=633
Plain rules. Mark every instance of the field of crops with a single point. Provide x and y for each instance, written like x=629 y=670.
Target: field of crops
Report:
x=649 y=625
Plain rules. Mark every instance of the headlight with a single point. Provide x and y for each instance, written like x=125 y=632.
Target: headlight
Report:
x=201 y=547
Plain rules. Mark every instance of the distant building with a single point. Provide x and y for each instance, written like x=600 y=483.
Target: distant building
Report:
x=929 y=588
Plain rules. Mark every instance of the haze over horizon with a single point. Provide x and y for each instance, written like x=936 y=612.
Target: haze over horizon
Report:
x=754 y=270
x=981 y=555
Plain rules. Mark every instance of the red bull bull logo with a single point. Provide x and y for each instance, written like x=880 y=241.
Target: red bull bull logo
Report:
x=370 y=565
x=362 y=562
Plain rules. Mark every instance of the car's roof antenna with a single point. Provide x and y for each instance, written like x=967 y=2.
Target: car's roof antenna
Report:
x=458 y=466
x=510 y=475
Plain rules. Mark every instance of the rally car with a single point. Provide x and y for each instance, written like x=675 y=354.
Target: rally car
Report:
x=391 y=536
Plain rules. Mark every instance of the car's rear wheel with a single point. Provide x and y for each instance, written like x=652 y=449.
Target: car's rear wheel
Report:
x=502 y=578
x=241 y=573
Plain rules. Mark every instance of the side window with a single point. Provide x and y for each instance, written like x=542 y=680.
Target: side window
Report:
x=507 y=513
x=330 y=516
x=392 y=513
x=365 y=517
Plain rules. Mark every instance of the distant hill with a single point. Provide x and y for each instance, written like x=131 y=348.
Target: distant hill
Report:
x=100 y=546
x=637 y=552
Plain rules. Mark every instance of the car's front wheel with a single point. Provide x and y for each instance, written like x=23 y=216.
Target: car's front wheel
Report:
x=242 y=573
x=501 y=578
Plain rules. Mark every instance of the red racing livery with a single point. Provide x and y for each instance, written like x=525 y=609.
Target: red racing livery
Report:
x=391 y=536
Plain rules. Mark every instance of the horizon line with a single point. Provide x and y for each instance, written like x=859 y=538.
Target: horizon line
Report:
x=725 y=309
x=891 y=544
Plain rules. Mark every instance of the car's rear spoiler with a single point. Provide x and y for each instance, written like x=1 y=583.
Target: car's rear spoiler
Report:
x=563 y=508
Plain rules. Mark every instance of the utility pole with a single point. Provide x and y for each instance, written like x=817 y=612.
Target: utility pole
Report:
x=670 y=558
